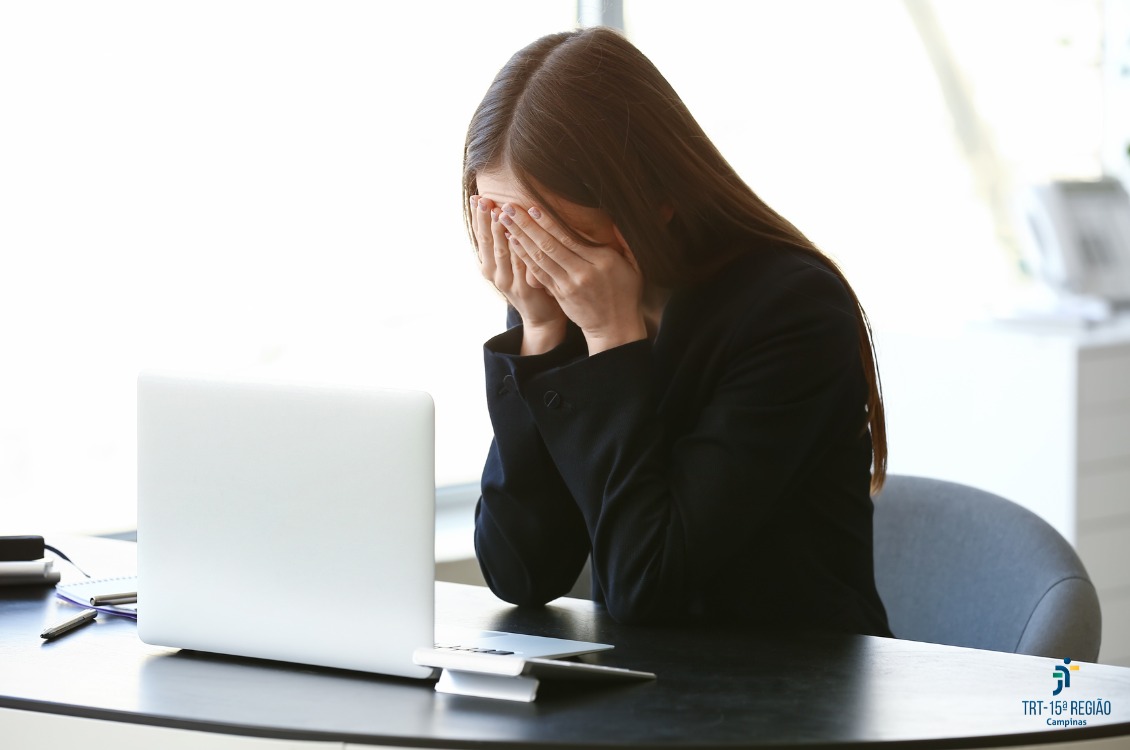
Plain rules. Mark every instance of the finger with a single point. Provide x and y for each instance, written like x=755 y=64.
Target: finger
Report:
x=500 y=243
x=477 y=226
x=548 y=254
x=523 y=271
x=518 y=248
x=485 y=258
x=521 y=268
x=628 y=254
x=499 y=250
x=536 y=276
x=547 y=236
x=499 y=276
x=532 y=281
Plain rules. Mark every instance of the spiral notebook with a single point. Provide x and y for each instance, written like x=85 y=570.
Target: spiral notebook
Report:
x=81 y=592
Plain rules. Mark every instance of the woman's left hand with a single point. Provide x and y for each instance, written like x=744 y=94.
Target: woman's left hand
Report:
x=598 y=288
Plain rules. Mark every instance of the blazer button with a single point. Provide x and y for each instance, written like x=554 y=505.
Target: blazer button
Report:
x=552 y=399
x=509 y=385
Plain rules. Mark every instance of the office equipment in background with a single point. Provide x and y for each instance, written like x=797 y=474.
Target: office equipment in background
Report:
x=296 y=523
x=1076 y=237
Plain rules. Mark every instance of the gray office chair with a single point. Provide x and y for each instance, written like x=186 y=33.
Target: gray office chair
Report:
x=963 y=567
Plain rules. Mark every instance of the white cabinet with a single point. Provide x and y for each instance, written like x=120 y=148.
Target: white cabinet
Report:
x=1040 y=416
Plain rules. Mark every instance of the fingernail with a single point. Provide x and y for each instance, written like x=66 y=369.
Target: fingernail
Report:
x=474 y=202
x=482 y=205
x=508 y=235
x=494 y=214
x=535 y=213
x=508 y=209
x=505 y=219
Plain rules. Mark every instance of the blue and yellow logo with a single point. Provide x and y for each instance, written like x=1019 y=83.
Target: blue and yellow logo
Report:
x=1062 y=675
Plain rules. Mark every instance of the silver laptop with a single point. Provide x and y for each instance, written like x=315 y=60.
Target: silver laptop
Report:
x=294 y=522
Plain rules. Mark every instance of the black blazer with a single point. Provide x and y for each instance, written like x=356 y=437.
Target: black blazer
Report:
x=720 y=471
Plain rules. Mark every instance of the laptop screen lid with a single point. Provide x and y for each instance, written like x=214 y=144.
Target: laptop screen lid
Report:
x=285 y=521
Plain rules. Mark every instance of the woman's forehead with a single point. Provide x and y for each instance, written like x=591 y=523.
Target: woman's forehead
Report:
x=591 y=224
x=501 y=187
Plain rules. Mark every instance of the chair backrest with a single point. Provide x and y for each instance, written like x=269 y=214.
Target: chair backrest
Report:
x=964 y=567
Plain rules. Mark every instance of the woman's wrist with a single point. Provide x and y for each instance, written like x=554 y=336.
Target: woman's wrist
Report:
x=539 y=339
x=599 y=341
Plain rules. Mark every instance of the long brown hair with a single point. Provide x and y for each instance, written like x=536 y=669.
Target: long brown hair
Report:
x=585 y=116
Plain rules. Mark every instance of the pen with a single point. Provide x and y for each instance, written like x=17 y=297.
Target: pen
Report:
x=69 y=625
x=129 y=597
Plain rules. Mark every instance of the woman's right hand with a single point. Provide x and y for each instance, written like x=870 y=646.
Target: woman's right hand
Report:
x=543 y=322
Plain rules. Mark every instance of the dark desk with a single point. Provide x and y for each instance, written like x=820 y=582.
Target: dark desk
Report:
x=716 y=688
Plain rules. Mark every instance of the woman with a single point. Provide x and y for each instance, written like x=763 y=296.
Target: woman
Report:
x=688 y=391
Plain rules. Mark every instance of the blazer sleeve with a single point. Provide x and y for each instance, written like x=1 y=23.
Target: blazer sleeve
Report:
x=663 y=512
x=530 y=536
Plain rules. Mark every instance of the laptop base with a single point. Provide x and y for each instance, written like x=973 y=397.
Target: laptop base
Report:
x=478 y=685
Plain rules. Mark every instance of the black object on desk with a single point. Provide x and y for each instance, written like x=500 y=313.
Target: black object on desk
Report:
x=719 y=687
x=22 y=562
x=14 y=548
